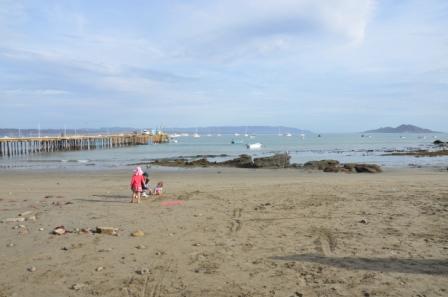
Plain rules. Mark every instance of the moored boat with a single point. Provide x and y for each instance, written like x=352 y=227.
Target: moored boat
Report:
x=254 y=146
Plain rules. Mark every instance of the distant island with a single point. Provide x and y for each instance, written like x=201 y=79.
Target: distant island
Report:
x=401 y=129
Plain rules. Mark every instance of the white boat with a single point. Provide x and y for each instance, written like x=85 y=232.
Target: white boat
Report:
x=302 y=136
x=288 y=134
x=174 y=140
x=236 y=134
x=196 y=134
x=254 y=146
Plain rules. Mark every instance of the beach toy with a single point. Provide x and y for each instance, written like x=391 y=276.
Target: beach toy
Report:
x=171 y=203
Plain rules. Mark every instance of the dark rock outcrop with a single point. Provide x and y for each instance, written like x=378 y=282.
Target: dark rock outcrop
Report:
x=367 y=168
x=275 y=161
x=440 y=143
x=335 y=166
x=243 y=161
x=203 y=162
x=321 y=165
x=420 y=153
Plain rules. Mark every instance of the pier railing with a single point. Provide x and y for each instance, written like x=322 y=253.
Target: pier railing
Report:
x=30 y=145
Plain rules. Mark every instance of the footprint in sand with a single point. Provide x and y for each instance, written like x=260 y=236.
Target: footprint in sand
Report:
x=236 y=224
x=325 y=242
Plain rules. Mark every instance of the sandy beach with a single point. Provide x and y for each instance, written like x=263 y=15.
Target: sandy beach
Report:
x=236 y=232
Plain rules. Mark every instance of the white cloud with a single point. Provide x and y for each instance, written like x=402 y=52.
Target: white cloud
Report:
x=36 y=92
x=268 y=26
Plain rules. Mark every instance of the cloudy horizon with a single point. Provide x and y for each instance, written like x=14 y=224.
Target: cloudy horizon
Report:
x=332 y=66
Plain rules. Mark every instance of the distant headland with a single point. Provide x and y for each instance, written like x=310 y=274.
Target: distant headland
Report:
x=238 y=129
x=401 y=129
x=15 y=132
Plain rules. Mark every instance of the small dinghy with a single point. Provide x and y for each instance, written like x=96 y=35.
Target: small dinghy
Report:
x=254 y=146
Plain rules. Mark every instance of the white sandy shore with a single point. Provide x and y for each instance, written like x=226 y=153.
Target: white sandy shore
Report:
x=237 y=233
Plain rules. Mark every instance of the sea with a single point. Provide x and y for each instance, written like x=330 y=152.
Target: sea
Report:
x=351 y=147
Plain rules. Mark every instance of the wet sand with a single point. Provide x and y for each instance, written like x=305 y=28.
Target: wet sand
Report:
x=238 y=232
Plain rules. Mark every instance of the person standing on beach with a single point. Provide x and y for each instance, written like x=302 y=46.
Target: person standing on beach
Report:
x=136 y=185
x=146 y=186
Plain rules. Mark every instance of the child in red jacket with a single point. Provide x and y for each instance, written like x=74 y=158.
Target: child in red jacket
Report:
x=136 y=185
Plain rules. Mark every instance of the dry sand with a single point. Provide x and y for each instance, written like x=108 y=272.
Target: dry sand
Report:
x=238 y=233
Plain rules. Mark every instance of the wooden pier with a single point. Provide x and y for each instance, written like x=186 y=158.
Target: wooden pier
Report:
x=10 y=147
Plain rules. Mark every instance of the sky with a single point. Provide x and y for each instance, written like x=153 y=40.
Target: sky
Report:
x=322 y=65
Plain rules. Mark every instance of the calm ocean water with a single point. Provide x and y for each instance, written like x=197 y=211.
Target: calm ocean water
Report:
x=342 y=147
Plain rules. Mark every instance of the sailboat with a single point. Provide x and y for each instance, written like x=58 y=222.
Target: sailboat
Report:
x=196 y=135
x=279 y=134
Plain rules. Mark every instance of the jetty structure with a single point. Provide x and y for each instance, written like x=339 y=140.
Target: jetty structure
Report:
x=10 y=147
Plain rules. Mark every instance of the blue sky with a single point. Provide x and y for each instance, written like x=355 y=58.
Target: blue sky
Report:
x=330 y=65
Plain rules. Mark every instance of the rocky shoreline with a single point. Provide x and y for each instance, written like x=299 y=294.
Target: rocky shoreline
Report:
x=420 y=153
x=439 y=149
x=276 y=161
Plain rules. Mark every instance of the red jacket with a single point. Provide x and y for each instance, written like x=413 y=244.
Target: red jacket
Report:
x=136 y=181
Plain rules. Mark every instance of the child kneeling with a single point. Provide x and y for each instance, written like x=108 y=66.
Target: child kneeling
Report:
x=159 y=188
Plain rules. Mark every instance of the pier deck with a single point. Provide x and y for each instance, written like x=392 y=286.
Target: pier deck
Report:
x=10 y=147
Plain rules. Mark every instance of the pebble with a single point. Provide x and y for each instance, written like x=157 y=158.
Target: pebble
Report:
x=77 y=286
x=31 y=218
x=107 y=230
x=196 y=244
x=41 y=229
x=363 y=221
x=105 y=250
x=25 y=213
x=59 y=230
x=31 y=269
x=140 y=247
x=138 y=233
x=10 y=245
x=99 y=268
x=143 y=271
